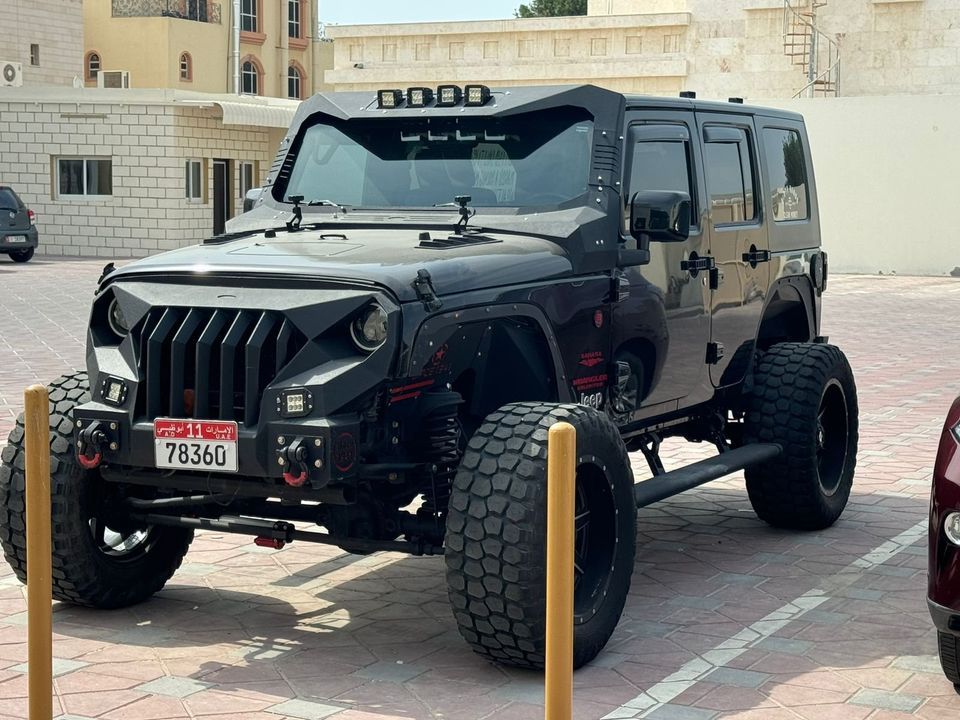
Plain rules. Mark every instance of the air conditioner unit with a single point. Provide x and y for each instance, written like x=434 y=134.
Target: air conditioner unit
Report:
x=113 y=79
x=11 y=74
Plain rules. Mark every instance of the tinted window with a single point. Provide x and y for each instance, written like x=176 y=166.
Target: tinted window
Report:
x=8 y=201
x=787 y=183
x=730 y=181
x=661 y=165
x=85 y=176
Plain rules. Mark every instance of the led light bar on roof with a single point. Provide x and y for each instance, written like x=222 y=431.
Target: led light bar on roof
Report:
x=389 y=99
x=476 y=95
x=419 y=97
x=449 y=95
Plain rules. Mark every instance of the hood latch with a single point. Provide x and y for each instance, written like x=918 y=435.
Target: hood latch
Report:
x=423 y=286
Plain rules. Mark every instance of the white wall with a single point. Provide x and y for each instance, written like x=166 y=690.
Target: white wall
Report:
x=888 y=180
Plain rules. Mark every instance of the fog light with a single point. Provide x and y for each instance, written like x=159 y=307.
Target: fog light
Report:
x=113 y=390
x=295 y=403
x=449 y=95
x=951 y=527
x=389 y=99
x=419 y=97
x=476 y=95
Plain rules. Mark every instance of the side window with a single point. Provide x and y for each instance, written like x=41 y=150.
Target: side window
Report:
x=729 y=170
x=787 y=184
x=660 y=165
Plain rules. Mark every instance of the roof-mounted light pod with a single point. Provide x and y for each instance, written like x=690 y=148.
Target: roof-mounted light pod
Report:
x=449 y=95
x=476 y=95
x=389 y=99
x=418 y=97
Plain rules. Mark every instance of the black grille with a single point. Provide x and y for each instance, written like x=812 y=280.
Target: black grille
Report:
x=211 y=364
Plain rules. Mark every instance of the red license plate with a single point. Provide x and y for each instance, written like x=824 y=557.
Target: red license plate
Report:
x=196 y=445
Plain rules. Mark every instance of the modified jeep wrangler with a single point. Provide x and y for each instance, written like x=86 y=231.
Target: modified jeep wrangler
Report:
x=430 y=279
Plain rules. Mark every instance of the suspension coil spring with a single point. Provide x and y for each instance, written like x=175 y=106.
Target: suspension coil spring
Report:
x=442 y=450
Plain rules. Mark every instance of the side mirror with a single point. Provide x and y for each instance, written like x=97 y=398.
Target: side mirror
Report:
x=660 y=215
x=250 y=199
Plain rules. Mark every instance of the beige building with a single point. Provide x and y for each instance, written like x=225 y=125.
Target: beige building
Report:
x=120 y=173
x=189 y=45
x=748 y=48
x=41 y=42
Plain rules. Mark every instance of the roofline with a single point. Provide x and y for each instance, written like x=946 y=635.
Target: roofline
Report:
x=648 y=101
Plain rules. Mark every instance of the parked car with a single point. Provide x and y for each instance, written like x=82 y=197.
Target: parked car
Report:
x=943 y=596
x=428 y=283
x=18 y=227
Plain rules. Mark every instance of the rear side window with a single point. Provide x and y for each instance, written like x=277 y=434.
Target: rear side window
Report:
x=8 y=201
x=787 y=184
x=729 y=171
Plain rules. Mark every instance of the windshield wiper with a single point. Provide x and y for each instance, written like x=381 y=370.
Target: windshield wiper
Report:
x=328 y=203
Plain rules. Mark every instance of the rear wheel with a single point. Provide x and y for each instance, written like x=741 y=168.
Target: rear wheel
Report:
x=497 y=525
x=22 y=256
x=100 y=558
x=803 y=398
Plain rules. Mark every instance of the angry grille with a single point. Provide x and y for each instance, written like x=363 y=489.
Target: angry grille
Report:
x=211 y=364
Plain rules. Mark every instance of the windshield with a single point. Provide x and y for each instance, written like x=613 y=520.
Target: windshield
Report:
x=532 y=159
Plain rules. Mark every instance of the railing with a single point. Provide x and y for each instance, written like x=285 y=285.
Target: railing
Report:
x=810 y=48
x=199 y=10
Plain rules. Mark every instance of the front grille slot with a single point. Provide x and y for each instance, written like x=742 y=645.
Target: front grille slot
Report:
x=211 y=364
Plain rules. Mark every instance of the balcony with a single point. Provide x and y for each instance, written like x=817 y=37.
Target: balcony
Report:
x=198 y=10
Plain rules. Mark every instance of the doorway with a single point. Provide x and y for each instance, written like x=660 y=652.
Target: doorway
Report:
x=222 y=194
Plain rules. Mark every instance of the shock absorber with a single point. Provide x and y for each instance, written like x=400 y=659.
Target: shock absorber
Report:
x=442 y=447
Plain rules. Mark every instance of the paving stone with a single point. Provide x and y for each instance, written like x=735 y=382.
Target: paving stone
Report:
x=885 y=700
x=681 y=712
x=785 y=645
x=386 y=671
x=177 y=687
x=61 y=666
x=305 y=709
x=739 y=678
x=919 y=663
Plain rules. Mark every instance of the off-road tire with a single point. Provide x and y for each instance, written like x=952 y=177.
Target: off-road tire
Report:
x=496 y=533
x=948 y=646
x=82 y=573
x=802 y=397
x=22 y=256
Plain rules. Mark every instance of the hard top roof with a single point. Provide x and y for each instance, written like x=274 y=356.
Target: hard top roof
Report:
x=681 y=103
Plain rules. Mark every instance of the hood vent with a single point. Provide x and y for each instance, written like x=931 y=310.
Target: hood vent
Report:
x=454 y=241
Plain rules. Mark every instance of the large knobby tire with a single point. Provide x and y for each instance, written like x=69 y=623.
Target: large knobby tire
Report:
x=497 y=525
x=948 y=646
x=803 y=397
x=93 y=565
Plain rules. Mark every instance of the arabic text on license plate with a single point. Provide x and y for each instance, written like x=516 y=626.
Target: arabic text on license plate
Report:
x=195 y=445
x=16 y=238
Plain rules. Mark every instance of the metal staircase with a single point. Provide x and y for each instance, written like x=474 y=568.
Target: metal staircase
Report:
x=810 y=48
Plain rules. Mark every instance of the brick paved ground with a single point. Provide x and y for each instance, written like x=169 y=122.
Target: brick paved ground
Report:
x=727 y=618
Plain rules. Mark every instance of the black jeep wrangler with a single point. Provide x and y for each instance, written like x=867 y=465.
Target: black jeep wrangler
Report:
x=430 y=280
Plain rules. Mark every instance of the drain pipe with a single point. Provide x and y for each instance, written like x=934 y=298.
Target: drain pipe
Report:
x=236 y=47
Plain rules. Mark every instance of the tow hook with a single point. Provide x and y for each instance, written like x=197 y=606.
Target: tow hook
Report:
x=294 y=458
x=90 y=445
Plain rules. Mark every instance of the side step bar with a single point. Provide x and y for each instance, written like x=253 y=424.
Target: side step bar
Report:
x=675 y=482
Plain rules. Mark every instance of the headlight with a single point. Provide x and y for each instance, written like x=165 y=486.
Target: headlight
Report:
x=369 y=330
x=118 y=323
x=951 y=527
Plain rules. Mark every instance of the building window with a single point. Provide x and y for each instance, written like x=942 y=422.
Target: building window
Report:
x=423 y=51
x=250 y=77
x=634 y=45
x=186 y=67
x=389 y=52
x=456 y=51
x=598 y=46
x=525 y=48
x=34 y=54
x=356 y=52
x=248 y=177
x=491 y=49
x=294 y=83
x=88 y=177
x=193 y=180
x=92 y=65
x=561 y=47
x=294 y=28
x=671 y=43
x=249 y=22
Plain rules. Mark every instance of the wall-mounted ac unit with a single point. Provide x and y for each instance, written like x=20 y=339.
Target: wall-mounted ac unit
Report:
x=113 y=79
x=11 y=74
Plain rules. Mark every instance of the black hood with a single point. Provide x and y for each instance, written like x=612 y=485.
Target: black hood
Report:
x=385 y=257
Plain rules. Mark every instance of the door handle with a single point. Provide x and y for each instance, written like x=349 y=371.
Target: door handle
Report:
x=755 y=257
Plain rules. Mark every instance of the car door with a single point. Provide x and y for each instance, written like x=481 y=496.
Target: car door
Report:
x=738 y=243
x=664 y=321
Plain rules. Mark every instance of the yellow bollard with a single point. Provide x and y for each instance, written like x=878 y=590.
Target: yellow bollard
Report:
x=39 y=569
x=561 y=479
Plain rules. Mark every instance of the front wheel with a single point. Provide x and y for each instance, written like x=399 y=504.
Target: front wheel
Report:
x=100 y=558
x=804 y=399
x=497 y=529
x=948 y=646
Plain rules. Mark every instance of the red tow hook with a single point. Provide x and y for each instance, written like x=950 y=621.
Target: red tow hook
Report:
x=268 y=542
x=295 y=480
x=89 y=463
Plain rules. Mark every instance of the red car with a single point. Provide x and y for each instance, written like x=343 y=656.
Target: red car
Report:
x=944 y=582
